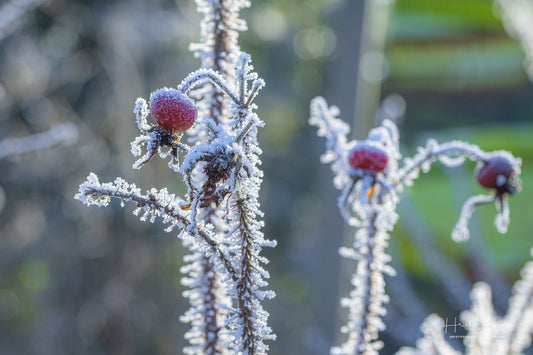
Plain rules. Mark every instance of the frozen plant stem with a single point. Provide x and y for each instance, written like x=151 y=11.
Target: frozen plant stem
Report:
x=219 y=218
x=218 y=42
x=371 y=173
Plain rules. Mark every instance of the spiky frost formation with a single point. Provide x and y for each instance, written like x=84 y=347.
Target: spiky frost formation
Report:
x=220 y=220
x=218 y=50
x=205 y=298
x=247 y=241
x=216 y=169
x=487 y=333
x=372 y=201
x=229 y=176
x=222 y=172
x=220 y=27
x=368 y=201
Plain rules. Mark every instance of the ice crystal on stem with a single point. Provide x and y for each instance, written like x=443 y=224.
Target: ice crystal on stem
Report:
x=371 y=173
x=219 y=218
x=373 y=201
x=218 y=51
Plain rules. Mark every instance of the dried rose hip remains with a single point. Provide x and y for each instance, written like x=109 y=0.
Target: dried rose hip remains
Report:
x=368 y=157
x=172 y=110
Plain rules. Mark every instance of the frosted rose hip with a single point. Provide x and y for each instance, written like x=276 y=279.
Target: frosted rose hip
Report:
x=172 y=109
x=368 y=157
x=495 y=173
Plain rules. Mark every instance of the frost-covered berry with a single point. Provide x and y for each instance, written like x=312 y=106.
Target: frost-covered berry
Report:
x=172 y=109
x=495 y=173
x=368 y=157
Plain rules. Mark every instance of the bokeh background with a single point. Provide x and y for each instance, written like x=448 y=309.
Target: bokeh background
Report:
x=79 y=280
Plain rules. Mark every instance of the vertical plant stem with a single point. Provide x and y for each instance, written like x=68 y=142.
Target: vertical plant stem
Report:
x=220 y=51
x=210 y=311
x=365 y=334
x=243 y=286
x=215 y=52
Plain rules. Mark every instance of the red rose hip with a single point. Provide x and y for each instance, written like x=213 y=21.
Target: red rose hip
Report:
x=172 y=109
x=368 y=157
x=495 y=173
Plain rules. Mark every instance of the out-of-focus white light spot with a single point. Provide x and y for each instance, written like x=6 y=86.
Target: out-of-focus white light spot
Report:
x=374 y=67
x=330 y=41
x=393 y=108
x=308 y=44
x=315 y=42
x=269 y=23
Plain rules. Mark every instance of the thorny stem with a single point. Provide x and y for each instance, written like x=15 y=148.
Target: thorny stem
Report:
x=210 y=310
x=372 y=272
x=243 y=286
x=153 y=204
x=216 y=107
x=220 y=46
x=366 y=334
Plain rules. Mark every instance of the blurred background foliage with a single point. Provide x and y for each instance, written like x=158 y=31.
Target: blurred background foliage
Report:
x=77 y=280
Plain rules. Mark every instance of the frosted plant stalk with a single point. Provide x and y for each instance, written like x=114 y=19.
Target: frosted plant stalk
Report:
x=218 y=51
x=219 y=218
x=370 y=174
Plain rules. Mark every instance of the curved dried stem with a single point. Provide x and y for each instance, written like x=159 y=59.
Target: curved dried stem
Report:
x=435 y=151
x=198 y=77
